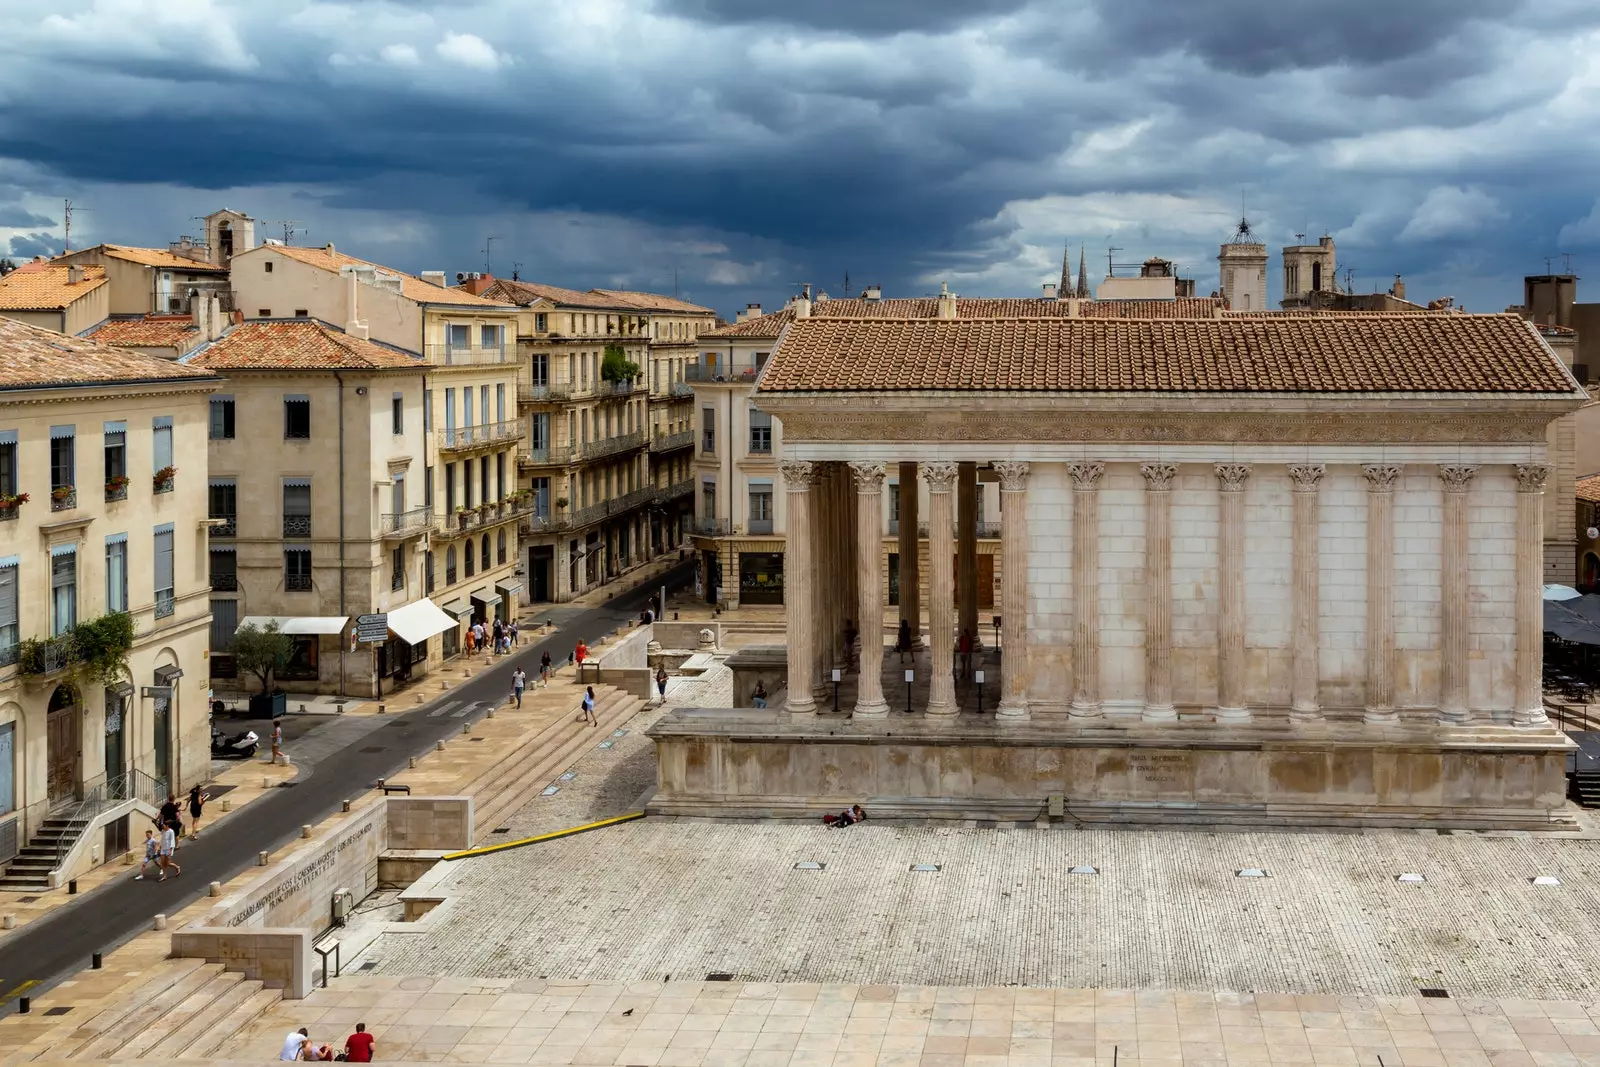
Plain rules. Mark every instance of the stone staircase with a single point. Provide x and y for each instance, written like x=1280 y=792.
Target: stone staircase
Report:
x=185 y=1010
x=502 y=789
x=29 y=871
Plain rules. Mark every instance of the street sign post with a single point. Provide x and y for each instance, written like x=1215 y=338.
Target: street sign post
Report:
x=372 y=629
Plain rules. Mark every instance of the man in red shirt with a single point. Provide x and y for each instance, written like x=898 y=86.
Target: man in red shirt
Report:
x=358 y=1046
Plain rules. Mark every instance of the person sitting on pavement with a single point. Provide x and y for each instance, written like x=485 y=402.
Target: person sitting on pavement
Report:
x=758 y=696
x=358 y=1046
x=848 y=817
x=294 y=1045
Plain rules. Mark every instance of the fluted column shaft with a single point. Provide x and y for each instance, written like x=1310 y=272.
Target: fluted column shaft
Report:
x=848 y=584
x=1231 y=479
x=1013 y=591
x=1528 y=709
x=1381 y=478
x=1453 y=608
x=1304 y=704
x=910 y=547
x=941 y=587
x=967 y=550
x=798 y=585
x=1085 y=588
x=869 y=611
x=1158 y=477
x=822 y=572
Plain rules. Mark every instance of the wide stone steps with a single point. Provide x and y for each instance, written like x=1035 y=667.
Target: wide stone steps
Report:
x=29 y=871
x=204 y=1016
x=217 y=1043
x=506 y=787
x=161 y=991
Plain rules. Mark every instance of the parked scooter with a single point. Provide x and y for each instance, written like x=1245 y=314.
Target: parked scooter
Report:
x=239 y=746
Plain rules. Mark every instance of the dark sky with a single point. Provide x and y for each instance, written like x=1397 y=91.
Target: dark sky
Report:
x=742 y=147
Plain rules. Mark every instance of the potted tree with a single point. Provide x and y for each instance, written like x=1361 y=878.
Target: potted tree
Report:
x=262 y=650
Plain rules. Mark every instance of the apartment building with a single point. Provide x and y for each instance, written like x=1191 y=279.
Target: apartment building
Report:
x=607 y=412
x=63 y=297
x=102 y=519
x=447 y=482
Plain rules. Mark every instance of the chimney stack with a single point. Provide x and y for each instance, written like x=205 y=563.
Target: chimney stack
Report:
x=434 y=277
x=74 y=274
x=1399 y=289
x=353 y=324
x=947 y=302
x=802 y=303
x=1049 y=290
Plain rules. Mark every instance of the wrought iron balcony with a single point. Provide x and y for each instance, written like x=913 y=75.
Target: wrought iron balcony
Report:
x=461 y=438
x=676 y=490
x=546 y=456
x=297 y=526
x=229 y=526
x=166 y=603
x=63 y=498
x=224 y=582
x=712 y=527
x=760 y=527
x=671 y=442
x=618 y=388
x=448 y=355
x=681 y=389
x=47 y=656
x=732 y=371
x=608 y=446
x=408 y=523
x=297 y=583
x=116 y=490
x=551 y=390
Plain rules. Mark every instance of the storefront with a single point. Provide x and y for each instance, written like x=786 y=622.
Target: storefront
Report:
x=760 y=578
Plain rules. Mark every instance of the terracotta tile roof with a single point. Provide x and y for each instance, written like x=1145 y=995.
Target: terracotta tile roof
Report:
x=44 y=286
x=762 y=327
x=1349 y=353
x=149 y=331
x=1186 y=307
x=772 y=323
x=653 y=301
x=1588 y=489
x=523 y=293
x=411 y=287
x=34 y=357
x=298 y=344
x=158 y=257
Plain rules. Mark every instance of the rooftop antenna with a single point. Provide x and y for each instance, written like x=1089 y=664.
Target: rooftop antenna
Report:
x=1547 y=269
x=1566 y=262
x=288 y=228
x=488 y=244
x=846 y=289
x=67 y=209
x=516 y=271
x=1349 y=276
x=1111 y=251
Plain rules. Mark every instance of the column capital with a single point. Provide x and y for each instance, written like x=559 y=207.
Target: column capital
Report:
x=869 y=476
x=1531 y=477
x=1307 y=477
x=1381 y=476
x=1086 y=476
x=1013 y=475
x=940 y=476
x=798 y=475
x=1457 y=477
x=1232 y=476
x=1158 y=476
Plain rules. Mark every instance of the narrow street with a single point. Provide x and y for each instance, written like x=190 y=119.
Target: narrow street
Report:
x=57 y=945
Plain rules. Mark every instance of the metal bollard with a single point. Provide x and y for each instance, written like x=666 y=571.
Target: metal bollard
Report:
x=160 y=922
x=438 y=746
x=411 y=762
x=383 y=709
x=24 y=1005
x=261 y=859
x=345 y=806
x=214 y=889
x=227 y=805
x=72 y=886
x=466 y=727
x=305 y=829
x=95 y=962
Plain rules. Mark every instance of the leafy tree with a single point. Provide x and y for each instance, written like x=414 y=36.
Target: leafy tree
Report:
x=6 y=267
x=262 y=650
x=615 y=366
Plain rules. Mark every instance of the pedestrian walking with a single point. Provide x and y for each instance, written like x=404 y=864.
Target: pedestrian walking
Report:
x=661 y=682
x=499 y=632
x=519 y=681
x=197 y=804
x=516 y=635
x=964 y=644
x=586 y=710
x=902 y=642
x=580 y=653
x=294 y=1044
x=277 y=741
x=169 y=845
x=169 y=814
x=545 y=669
x=152 y=849
x=358 y=1046
x=505 y=642
x=471 y=639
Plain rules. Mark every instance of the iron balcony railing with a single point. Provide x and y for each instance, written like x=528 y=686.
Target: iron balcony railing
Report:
x=677 y=490
x=227 y=527
x=671 y=442
x=712 y=527
x=544 y=456
x=297 y=526
x=681 y=389
x=761 y=526
x=548 y=390
x=166 y=603
x=116 y=491
x=485 y=433
x=448 y=355
x=406 y=523
x=10 y=652
x=982 y=530
x=607 y=446
x=63 y=498
x=618 y=388
x=47 y=656
x=731 y=371
x=225 y=582
x=297 y=583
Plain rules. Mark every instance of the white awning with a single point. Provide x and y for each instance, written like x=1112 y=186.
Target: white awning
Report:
x=298 y=624
x=415 y=623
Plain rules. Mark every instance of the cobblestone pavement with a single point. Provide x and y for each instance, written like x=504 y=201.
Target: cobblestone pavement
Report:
x=688 y=897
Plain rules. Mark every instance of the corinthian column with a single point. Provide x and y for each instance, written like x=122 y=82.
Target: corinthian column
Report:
x=910 y=546
x=1453 y=624
x=1231 y=479
x=941 y=479
x=1528 y=709
x=1013 y=591
x=1303 y=703
x=1158 y=591
x=1380 y=591
x=1085 y=588
x=824 y=558
x=798 y=582
x=869 y=554
x=967 y=550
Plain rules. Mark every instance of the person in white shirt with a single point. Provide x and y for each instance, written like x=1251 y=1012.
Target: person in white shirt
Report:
x=294 y=1044
x=169 y=844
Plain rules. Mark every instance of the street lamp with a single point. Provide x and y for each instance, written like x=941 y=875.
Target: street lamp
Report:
x=910 y=677
x=836 y=690
x=977 y=676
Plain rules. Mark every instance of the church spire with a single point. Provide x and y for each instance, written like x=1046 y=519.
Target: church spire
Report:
x=1065 y=289
x=1083 y=277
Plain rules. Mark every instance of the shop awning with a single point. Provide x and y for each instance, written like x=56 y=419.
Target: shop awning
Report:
x=298 y=624
x=417 y=622
x=508 y=589
x=486 y=597
x=459 y=608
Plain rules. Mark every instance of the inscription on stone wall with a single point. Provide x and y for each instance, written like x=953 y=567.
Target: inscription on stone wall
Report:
x=1162 y=766
x=304 y=878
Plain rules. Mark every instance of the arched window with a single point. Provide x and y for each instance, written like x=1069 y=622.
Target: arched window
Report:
x=483 y=555
x=450 y=565
x=500 y=547
x=470 y=558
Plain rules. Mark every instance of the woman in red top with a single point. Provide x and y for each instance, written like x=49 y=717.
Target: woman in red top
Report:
x=581 y=652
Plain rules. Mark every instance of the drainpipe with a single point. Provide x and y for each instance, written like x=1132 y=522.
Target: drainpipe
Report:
x=337 y=377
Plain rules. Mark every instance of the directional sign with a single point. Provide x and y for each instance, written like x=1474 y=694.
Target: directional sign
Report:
x=372 y=629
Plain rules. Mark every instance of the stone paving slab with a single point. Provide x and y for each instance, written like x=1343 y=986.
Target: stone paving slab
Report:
x=735 y=1024
x=688 y=897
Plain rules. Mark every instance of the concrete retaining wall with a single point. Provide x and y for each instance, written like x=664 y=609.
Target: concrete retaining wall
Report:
x=279 y=959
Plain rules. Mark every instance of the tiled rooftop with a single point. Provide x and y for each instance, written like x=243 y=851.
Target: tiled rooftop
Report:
x=412 y=287
x=159 y=257
x=31 y=357
x=1589 y=489
x=772 y=323
x=653 y=301
x=44 y=286
x=297 y=344
x=521 y=292
x=1351 y=353
x=149 y=331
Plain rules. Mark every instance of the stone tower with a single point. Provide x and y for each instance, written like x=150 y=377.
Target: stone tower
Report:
x=1243 y=266
x=1308 y=269
x=228 y=232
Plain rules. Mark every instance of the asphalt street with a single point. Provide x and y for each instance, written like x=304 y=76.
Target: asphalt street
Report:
x=58 y=945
